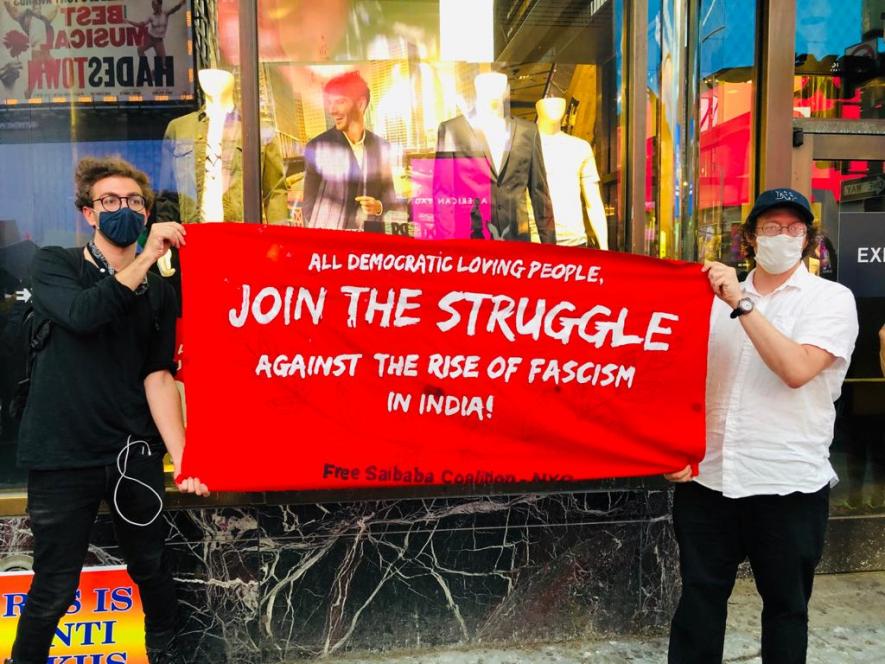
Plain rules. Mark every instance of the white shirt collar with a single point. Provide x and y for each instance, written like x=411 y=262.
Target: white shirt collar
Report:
x=354 y=144
x=799 y=279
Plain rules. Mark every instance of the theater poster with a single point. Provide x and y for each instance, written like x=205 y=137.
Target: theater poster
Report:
x=93 y=51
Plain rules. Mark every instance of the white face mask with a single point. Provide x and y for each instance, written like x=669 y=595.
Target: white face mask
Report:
x=778 y=254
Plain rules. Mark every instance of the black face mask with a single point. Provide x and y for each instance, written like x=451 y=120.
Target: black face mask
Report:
x=121 y=227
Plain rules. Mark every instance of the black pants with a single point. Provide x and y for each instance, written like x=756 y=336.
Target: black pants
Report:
x=783 y=538
x=62 y=505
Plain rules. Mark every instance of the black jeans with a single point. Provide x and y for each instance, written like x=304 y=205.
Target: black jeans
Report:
x=62 y=505
x=783 y=537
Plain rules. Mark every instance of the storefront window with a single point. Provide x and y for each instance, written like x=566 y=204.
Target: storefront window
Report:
x=652 y=121
x=448 y=92
x=447 y=119
x=667 y=129
x=839 y=49
x=839 y=76
x=727 y=99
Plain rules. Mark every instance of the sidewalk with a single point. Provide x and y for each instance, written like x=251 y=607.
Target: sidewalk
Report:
x=847 y=625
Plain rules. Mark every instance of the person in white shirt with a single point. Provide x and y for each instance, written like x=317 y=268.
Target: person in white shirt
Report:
x=780 y=344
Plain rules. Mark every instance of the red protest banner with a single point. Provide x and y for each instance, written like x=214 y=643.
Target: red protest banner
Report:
x=321 y=359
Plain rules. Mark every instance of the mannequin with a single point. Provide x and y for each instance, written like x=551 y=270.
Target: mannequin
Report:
x=218 y=86
x=491 y=156
x=573 y=178
x=201 y=179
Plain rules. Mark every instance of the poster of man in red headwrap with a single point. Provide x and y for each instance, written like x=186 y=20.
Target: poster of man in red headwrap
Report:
x=347 y=179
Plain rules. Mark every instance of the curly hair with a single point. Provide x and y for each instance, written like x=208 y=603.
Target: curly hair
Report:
x=748 y=233
x=92 y=169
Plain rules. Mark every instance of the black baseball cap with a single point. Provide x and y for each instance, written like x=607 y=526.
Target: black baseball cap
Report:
x=782 y=197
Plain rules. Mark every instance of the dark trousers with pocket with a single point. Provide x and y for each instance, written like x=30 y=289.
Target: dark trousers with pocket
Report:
x=62 y=505
x=783 y=538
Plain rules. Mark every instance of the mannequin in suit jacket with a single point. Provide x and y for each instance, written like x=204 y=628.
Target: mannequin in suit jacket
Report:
x=347 y=174
x=186 y=194
x=513 y=164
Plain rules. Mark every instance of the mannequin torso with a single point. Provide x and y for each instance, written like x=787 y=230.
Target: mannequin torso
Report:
x=496 y=158
x=201 y=178
x=572 y=178
x=218 y=87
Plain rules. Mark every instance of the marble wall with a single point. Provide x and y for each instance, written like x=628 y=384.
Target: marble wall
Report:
x=280 y=583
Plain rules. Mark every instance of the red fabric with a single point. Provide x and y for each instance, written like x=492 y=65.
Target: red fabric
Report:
x=248 y=431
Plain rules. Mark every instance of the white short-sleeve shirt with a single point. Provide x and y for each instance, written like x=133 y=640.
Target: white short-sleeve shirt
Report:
x=764 y=437
x=212 y=202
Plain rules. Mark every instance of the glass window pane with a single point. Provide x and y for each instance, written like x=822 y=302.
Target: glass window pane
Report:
x=839 y=60
x=839 y=76
x=849 y=200
x=727 y=98
x=167 y=99
x=416 y=118
x=652 y=121
x=667 y=177
x=75 y=82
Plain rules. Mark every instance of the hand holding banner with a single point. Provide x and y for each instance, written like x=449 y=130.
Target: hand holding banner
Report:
x=320 y=359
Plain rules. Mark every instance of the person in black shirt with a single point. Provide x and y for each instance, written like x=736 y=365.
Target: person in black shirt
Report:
x=102 y=407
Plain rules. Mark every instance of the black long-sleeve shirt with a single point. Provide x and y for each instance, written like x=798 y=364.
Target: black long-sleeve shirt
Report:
x=87 y=385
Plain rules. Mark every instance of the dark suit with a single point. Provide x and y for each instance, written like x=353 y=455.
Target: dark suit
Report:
x=184 y=171
x=333 y=179
x=522 y=168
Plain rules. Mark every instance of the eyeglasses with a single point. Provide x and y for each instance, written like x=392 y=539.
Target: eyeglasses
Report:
x=796 y=229
x=112 y=202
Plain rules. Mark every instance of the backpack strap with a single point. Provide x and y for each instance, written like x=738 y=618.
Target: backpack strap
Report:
x=38 y=331
x=37 y=336
x=38 y=328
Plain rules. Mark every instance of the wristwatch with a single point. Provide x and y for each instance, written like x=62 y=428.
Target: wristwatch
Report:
x=744 y=306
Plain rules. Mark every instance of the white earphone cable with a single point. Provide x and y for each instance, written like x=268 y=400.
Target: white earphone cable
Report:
x=122 y=465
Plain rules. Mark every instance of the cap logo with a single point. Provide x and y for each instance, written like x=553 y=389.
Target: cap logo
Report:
x=784 y=195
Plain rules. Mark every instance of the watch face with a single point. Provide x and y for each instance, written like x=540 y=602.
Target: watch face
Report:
x=746 y=305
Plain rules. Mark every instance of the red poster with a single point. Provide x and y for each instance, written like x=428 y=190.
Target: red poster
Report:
x=104 y=625
x=322 y=359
